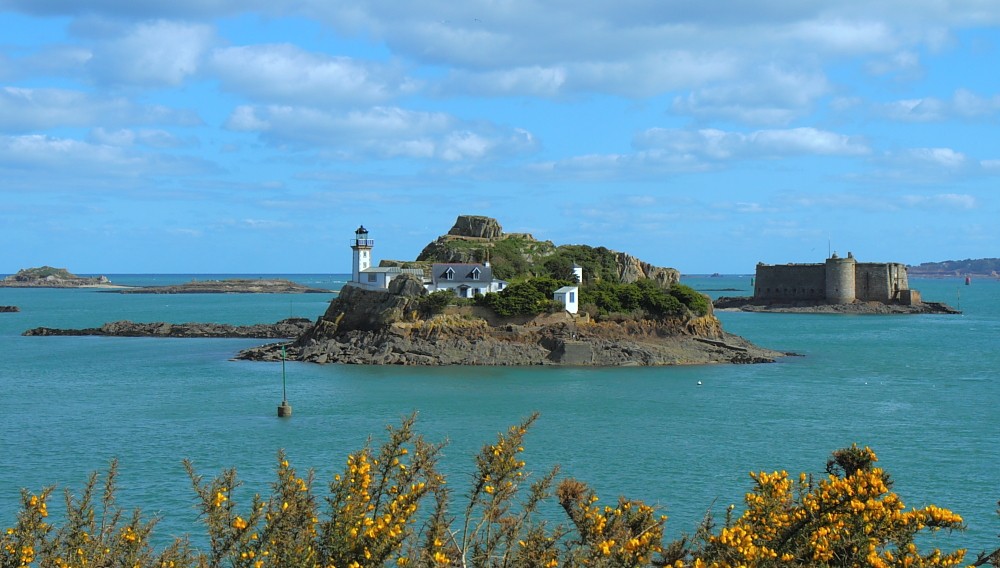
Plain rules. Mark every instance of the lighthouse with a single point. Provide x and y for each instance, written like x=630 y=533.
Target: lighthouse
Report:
x=362 y=247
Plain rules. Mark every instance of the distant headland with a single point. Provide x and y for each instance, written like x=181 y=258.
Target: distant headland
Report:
x=838 y=285
x=976 y=268
x=479 y=296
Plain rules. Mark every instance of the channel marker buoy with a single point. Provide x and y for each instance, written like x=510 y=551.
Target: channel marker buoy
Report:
x=284 y=409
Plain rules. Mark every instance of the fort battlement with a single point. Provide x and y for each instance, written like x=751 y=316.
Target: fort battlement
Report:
x=836 y=281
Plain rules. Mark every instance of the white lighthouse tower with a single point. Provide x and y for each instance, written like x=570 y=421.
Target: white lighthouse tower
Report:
x=362 y=247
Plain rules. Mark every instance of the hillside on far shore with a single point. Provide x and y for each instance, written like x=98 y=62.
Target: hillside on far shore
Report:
x=989 y=267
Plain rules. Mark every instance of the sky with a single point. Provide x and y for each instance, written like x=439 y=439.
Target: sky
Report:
x=253 y=136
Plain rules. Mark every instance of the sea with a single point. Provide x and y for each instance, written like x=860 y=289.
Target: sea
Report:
x=923 y=391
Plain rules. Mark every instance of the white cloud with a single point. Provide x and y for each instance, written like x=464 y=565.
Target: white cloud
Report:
x=903 y=64
x=844 y=36
x=941 y=201
x=772 y=95
x=152 y=54
x=125 y=137
x=286 y=74
x=381 y=132
x=936 y=157
x=51 y=157
x=964 y=104
x=23 y=110
x=535 y=81
x=715 y=145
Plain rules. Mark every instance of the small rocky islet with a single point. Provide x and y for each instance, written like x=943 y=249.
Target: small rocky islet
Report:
x=387 y=326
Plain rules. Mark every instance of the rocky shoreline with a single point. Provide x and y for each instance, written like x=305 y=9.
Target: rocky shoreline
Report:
x=748 y=304
x=284 y=329
x=382 y=328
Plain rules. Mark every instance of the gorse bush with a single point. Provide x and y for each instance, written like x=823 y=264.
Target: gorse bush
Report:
x=370 y=516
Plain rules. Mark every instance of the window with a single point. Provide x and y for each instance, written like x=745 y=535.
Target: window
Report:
x=449 y=274
x=475 y=274
x=572 y=297
x=372 y=277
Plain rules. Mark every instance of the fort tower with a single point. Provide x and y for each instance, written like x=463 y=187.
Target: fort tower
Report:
x=840 y=283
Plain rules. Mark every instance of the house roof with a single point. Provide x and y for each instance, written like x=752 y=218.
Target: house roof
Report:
x=567 y=289
x=461 y=273
x=393 y=270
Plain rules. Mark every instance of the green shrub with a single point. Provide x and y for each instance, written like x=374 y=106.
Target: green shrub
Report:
x=434 y=303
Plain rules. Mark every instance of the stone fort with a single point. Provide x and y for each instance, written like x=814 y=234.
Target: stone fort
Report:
x=836 y=281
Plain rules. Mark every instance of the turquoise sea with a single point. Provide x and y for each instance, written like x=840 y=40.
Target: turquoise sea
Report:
x=922 y=391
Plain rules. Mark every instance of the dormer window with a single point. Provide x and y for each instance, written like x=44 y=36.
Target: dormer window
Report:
x=475 y=273
x=449 y=274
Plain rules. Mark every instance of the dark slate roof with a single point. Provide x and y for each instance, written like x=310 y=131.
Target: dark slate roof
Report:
x=463 y=273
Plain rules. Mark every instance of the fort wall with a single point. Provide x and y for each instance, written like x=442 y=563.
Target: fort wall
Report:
x=835 y=281
x=790 y=282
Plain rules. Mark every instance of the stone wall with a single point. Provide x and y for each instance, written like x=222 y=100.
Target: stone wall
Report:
x=790 y=282
x=880 y=282
x=838 y=280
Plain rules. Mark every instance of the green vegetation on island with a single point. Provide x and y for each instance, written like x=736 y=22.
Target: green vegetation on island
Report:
x=614 y=284
x=391 y=506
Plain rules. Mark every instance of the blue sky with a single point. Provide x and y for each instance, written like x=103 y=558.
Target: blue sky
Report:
x=208 y=136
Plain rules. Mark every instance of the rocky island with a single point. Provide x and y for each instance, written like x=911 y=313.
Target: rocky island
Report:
x=284 y=329
x=48 y=277
x=385 y=328
x=230 y=286
x=609 y=310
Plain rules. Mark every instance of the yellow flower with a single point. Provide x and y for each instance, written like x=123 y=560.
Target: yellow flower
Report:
x=488 y=489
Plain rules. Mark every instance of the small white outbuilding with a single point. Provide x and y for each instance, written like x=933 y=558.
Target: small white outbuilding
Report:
x=569 y=297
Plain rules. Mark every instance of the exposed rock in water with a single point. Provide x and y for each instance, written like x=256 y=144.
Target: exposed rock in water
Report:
x=284 y=329
x=230 y=286
x=9 y=309
x=378 y=327
x=749 y=304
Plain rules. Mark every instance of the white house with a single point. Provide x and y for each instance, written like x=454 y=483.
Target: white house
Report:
x=465 y=279
x=363 y=274
x=568 y=296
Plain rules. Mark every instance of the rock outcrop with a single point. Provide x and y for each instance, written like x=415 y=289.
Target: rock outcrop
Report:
x=284 y=329
x=9 y=309
x=378 y=327
x=631 y=269
x=476 y=226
